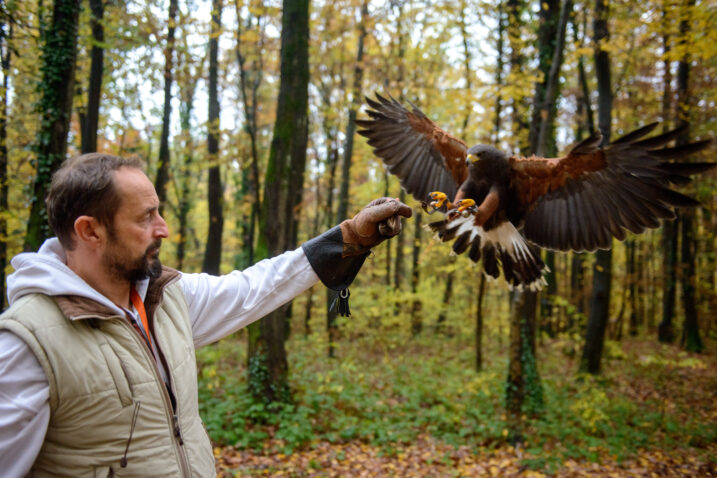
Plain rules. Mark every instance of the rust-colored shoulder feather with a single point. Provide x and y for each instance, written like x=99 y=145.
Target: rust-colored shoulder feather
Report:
x=534 y=177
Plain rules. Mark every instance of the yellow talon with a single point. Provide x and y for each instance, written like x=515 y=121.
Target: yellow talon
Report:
x=438 y=199
x=464 y=204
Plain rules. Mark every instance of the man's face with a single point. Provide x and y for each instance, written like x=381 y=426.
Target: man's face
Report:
x=132 y=250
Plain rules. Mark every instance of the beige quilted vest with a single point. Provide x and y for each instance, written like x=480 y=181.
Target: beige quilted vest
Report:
x=101 y=375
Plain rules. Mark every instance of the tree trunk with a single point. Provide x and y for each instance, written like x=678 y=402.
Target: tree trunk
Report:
x=514 y=9
x=59 y=53
x=547 y=39
x=267 y=364
x=602 y=274
x=160 y=184
x=599 y=311
x=665 y=330
x=416 y=320
x=630 y=250
x=250 y=80
x=586 y=125
x=342 y=211
x=388 y=243
x=186 y=176
x=524 y=391
x=6 y=34
x=398 y=267
x=479 y=323
x=215 y=190
x=499 y=72
x=691 y=333
x=94 y=90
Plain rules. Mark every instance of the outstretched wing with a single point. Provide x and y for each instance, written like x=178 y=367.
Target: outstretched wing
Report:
x=423 y=156
x=582 y=200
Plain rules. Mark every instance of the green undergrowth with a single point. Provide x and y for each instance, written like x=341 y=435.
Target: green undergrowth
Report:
x=388 y=392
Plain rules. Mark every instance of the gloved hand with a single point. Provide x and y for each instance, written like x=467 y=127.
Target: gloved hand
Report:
x=377 y=221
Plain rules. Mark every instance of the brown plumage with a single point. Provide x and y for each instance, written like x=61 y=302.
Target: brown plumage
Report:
x=576 y=202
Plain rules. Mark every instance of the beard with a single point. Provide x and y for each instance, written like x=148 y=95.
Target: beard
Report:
x=120 y=263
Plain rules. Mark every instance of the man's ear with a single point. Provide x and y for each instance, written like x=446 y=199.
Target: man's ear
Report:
x=89 y=231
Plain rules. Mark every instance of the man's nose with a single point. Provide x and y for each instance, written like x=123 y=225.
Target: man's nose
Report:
x=161 y=229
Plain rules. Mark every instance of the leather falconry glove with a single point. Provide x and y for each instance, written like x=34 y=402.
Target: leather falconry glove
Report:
x=337 y=255
x=377 y=221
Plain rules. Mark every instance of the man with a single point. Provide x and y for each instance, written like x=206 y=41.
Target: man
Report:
x=97 y=366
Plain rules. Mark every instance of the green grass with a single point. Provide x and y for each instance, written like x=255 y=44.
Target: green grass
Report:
x=387 y=391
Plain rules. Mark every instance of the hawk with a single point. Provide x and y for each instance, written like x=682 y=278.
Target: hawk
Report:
x=497 y=205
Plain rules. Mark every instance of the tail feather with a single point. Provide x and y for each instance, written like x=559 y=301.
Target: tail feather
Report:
x=501 y=247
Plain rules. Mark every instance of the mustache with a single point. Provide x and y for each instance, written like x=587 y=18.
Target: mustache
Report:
x=156 y=245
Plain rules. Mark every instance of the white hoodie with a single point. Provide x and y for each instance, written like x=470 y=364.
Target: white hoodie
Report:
x=218 y=306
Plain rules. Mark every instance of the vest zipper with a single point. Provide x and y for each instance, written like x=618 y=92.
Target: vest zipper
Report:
x=171 y=416
x=123 y=461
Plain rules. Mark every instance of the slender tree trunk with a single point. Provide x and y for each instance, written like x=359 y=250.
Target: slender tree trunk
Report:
x=59 y=52
x=586 y=124
x=524 y=391
x=514 y=24
x=602 y=273
x=630 y=249
x=94 y=91
x=398 y=265
x=447 y=294
x=547 y=40
x=215 y=190
x=388 y=243
x=499 y=72
x=6 y=34
x=416 y=307
x=691 y=333
x=267 y=365
x=186 y=176
x=342 y=211
x=479 y=323
x=398 y=269
x=160 y=184
x=315 y=230
x=250 y=80
x=665 y=330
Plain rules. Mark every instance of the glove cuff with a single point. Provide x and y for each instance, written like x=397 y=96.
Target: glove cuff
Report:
x=334 y=261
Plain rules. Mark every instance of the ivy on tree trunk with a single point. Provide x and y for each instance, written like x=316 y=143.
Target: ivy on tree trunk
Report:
x=59 y=52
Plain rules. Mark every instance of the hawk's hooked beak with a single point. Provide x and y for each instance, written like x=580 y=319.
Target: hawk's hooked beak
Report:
x=472 y=158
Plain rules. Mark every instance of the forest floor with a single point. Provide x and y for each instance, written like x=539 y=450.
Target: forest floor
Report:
x=426 y=458
x=659 y=401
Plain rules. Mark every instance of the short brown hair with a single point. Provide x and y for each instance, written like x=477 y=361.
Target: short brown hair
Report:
x=84 y=186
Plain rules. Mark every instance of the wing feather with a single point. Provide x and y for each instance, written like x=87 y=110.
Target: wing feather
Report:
x=579 y=201
x=424 y=157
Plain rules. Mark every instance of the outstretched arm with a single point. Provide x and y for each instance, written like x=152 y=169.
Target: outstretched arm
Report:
x=220 y=305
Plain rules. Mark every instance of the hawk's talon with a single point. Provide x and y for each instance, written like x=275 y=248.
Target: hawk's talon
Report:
x=439 y=199
x=465 y=204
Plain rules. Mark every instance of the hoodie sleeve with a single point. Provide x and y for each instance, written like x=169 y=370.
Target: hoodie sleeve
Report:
x=24 y=405
x=220 y=305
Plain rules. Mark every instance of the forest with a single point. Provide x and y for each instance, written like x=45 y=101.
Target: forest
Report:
x=244 y=113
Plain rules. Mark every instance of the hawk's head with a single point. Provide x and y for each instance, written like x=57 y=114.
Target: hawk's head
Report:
x=483 y=153
x=487 y=163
